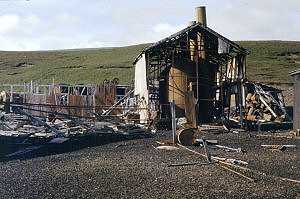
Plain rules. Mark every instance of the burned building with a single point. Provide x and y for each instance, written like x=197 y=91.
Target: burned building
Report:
x=204 y=74
x=296 y=117
x=198 y=69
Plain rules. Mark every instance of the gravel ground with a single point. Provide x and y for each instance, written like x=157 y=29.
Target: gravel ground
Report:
x=135 y=169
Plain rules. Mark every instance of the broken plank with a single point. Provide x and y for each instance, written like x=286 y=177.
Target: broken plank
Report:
x=238 y=173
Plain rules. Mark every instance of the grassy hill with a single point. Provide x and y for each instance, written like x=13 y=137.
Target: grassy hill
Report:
x=270 y=61
x=69 y=66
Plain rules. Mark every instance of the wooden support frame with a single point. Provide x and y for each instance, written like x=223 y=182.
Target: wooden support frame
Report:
x=160 y=58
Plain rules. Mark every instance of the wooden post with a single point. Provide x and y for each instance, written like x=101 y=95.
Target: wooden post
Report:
x=24 y=92
x=45 y=90
x=24 y=88
x=94 y=105
x=208 y=155
x=172 y=104
x=197 y=75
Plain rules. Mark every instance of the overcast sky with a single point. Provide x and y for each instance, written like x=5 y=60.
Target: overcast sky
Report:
x=66 y=24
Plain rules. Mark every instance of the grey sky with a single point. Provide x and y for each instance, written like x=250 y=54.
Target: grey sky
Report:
x=61 y=24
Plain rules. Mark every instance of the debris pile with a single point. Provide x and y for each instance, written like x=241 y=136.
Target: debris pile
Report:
x=264 y=105
x=22 y=131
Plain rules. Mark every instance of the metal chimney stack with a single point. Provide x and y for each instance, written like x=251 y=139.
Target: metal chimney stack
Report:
x=201 y=15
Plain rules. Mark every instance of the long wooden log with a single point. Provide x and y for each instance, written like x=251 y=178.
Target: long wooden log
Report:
x=238 y=173
x=268 y=107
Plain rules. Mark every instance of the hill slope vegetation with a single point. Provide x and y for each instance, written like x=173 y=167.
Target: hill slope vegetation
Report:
x=269 y=61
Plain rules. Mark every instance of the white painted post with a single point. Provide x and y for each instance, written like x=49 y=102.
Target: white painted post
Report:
x=31 y=86
x=11 y=98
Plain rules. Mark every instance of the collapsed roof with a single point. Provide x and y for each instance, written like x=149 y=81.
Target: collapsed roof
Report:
x=232 y=47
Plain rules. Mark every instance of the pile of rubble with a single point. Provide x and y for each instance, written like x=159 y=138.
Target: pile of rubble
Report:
x=21 y=129
x=264 y=106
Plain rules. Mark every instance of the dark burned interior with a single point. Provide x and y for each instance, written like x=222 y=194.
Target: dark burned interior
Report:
x=200 y=61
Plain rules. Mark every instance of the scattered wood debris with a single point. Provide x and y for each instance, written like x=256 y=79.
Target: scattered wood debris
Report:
x=229 y=149
x=288 y=135
x=279 y=147
x=261 y=105
x=167 y=148
x=21 y=128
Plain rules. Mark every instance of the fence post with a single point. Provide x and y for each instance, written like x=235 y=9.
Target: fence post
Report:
x=11 y=98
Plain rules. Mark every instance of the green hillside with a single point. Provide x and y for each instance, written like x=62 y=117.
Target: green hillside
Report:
x=269 y=61
x=69 y=66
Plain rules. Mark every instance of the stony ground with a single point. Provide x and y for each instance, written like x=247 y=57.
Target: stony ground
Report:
x=135 y=169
